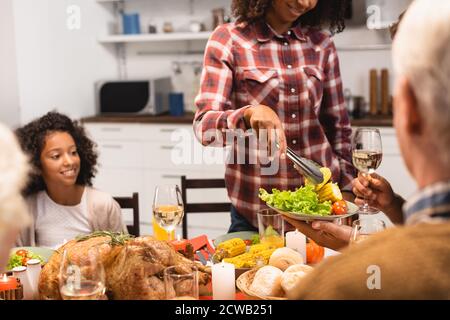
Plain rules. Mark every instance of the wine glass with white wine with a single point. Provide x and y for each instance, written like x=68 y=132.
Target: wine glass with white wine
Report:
x=367 y=154
x=168 y=209
x=82 y=277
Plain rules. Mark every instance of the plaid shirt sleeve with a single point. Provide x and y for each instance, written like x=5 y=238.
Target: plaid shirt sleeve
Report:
x=335 y=120
x=216 y=114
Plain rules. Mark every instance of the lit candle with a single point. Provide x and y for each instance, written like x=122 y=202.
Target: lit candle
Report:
x=8 y=283
x=297 y=241
x=21 y=273
x=223 y=281
x=34 y=269
x=179 y=244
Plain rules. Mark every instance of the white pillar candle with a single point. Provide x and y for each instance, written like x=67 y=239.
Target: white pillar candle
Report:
x=223 y=281
x=297 y=241
x=34 y=270
x=22 y=274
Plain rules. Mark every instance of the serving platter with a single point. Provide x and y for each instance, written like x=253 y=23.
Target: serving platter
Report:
x=352 y=209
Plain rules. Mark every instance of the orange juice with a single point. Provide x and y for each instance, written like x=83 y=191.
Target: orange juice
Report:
x=160 y=233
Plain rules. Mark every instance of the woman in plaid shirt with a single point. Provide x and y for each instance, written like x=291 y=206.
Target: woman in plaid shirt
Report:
x=274 y=70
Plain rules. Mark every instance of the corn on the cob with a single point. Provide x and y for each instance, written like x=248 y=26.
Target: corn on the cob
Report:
x=250 y=260
x=330 y=192
x=326 y=172
x=244 y=260
x=229 y=249
x=264 y=256
x=261 y=247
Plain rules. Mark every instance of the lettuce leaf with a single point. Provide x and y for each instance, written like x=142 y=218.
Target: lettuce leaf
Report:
x=303 y=200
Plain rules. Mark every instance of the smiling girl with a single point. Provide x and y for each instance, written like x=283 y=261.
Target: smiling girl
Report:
x=59 y=194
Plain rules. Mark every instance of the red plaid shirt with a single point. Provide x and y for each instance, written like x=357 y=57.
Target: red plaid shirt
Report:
x=297 y=75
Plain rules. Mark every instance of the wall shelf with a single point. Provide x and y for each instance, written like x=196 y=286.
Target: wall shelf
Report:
x=157 y=37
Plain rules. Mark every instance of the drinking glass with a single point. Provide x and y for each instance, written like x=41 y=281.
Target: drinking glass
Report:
x=364 y=228
x=367 y=154
x=168 y=209
x=271 y=227
x=181 y=283
x=82 y=277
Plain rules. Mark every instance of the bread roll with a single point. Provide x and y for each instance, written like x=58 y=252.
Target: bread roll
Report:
x=282 y=258
x=293 y=275
x=267 y=282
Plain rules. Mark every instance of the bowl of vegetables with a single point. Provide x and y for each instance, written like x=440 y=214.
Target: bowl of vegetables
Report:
x=19 y=256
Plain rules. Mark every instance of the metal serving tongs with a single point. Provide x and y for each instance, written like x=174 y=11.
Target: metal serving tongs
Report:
x=307 y=167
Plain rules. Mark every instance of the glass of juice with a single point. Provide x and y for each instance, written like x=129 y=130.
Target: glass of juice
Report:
x=271 y=227
x=168 y=209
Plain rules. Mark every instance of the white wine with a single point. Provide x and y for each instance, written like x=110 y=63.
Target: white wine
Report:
x=88 y=290
x=366 y=161
x=168 y=216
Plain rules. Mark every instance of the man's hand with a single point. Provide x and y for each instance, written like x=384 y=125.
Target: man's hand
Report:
x=264 y=118
x=375 y=189
x=379 y=194
x=324 y=233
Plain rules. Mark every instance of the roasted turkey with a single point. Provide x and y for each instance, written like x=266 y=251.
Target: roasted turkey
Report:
x=133 y=266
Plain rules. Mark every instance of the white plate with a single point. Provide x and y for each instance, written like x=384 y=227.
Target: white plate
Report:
x=352 y=209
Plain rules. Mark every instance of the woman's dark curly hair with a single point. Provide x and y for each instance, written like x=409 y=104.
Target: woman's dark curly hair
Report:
x=32 y=140
x=330 y=12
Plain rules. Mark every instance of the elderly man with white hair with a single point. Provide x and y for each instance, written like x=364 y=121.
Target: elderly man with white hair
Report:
x=412 y=261
x=13 y=174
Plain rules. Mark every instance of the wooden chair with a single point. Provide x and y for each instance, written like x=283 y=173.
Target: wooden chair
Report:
x=131 y=203
x=201 y=207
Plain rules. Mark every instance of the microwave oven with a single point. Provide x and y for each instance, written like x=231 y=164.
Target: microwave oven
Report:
x=150 y=96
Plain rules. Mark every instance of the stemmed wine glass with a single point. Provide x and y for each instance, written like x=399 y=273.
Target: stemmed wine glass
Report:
x=168 y=209
x=82 y=277
x=367 y=154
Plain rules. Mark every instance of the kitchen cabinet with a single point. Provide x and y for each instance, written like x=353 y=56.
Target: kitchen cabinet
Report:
x=138 y=157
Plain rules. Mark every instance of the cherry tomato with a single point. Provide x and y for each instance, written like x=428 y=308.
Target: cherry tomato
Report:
x=314 y=252
x=339 y=207
x=22 y=253
x=248 y=242
x=25 y=260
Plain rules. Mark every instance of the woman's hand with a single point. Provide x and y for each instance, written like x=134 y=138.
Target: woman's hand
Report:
x=324 y=233
x=262 y=117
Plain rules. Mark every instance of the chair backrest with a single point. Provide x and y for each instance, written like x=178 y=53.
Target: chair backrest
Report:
x=131 y=203
x=201 y=207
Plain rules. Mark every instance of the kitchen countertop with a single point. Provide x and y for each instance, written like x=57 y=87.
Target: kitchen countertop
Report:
x=188 y=118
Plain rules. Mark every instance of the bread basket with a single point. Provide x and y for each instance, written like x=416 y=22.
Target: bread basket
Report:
x=245 y=280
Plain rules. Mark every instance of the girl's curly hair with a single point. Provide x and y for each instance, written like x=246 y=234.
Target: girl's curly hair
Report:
x=331 y=12
x=32 y=140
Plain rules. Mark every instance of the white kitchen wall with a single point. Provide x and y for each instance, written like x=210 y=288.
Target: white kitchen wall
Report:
x=9 y=94
x=57 y=67
x=355 y=62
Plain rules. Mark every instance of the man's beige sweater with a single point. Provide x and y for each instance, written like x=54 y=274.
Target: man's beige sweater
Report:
x=413 y=263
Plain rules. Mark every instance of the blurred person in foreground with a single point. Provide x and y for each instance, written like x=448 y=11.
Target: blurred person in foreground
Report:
x=13 y=211
x=411 y=261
